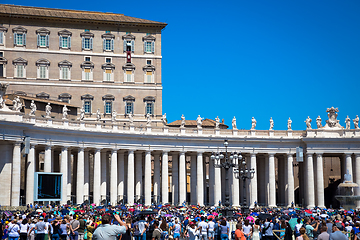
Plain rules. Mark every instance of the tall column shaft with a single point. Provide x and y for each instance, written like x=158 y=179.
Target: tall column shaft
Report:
x=193 y=177
x=121 y=177
x=47 y=159
x=165 y=178
x=320 y=181
x=86 y=175
x=175 y=178
x=156 y=177
x=64 y=171
x=104 y=159
x=131 y=179
x=69 y=182
x=348 y=165
x=113 y=177
x=16 y=175
x=182 y=178
x=253 y=182
x=97 y=177
x=290 y=195
x=272 y=186
x=357 y=177
x=310 y=181
x=217 y=189
x=147 y=183
x=235 y=189
x=30 y=175
x=212 y=200
x=80 y=177
x=200 y=179
x=139 y=175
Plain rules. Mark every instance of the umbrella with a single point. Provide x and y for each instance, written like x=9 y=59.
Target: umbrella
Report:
x=183 y=209
x=215 y=214
x=147 y=213
x=39 y=210
x=251 y=219
x=292 y=223
x=210 y=217
x=168 y=215
x=131 y=209
x=254 y=214
x=264 y=216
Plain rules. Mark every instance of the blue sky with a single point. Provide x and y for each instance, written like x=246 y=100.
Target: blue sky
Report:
x=259 y=58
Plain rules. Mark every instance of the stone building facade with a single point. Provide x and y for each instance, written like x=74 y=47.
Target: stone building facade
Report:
x=93 y=60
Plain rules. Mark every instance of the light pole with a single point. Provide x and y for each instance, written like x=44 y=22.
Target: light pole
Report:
x=226 y=160
x=242 y=172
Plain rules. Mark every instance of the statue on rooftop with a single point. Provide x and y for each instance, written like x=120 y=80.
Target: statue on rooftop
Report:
x=347 y=122
x=332 y=122
x=17 y=105
x=182 y=121
x=308 y=123
x=113 y=116
x=163 y=119
x=271 y=124
x=289 y=124
x=356 y=122
x=253 y=123
x=234 y=123
x=98 y=115
x=65 y=111
x=48 y=110
x=217 y=122
x=318 y=122
x=82 y=114
x=32 y=108
x=199 y=121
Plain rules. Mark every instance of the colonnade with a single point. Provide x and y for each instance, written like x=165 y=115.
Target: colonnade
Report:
x=130 y=174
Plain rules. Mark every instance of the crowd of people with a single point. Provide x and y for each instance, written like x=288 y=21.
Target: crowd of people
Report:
x=165 y=222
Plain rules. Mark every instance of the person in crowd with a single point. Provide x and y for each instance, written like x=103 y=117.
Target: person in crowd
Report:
x=268 y=229
x=324 y=235
x=337 y=234
x=204 y=229
x=239 y=234
x=303 y=235
x=13 y=230
x=256 y=230
x=310 y=229
x=24 y=228
x=56 y=229
x=156 y=234
x=63 y=230
x=108 y=231
x=224 y=230
x=211 y=229
x=74 y=226
x=40 y=229
x=247 y=229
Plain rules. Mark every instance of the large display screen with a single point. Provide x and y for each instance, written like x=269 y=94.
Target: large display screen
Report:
x=48 y=186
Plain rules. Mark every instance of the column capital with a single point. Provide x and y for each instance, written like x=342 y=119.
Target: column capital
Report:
x=114 y=150
x=309 y=154
x=182 y=152
x=347 y=154
x=165 y=151
x=319 y=154
x=148 y=151
x=64 y=148
x=48 y=147
x=271 y=154
x=253 y=154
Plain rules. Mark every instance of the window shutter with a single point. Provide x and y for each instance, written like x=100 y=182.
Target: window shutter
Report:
x=83 y=43
x=38 y=40
x=104 y=44
x=69 y=41
x=153 y=47
x=132 y=45
x=47 y=40
x=1 y=41
x=60 y=41
x=144 y=46
x=124 y=45
x=112 y=44
x=24 y=39
x=15 y=37
x=91 y=43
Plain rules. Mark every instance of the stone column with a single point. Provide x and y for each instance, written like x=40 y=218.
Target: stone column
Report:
x=80 y=177
x=30 y=175
x=86 y=175
x=357 y=176
x=320 y=181
x=217 y=190
x=156 y=177
x=64 y=171
x=193 y=177
x=147 y=183
x=16 y=175
x=175 y=178
x=182 y=178
x=253 y=182
x=310 y=195
x=165 y=178
x=272 y=186
x=348 y=165
x=131 y=179
x=212 y=200
x=121 y=175
x=104 y=159
x=97 y=177
x=69 y=182
x=235 y=190
x=138 y=175
x=200 y=179
x=113 y=177
x=47 y=159
x=290 y=195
